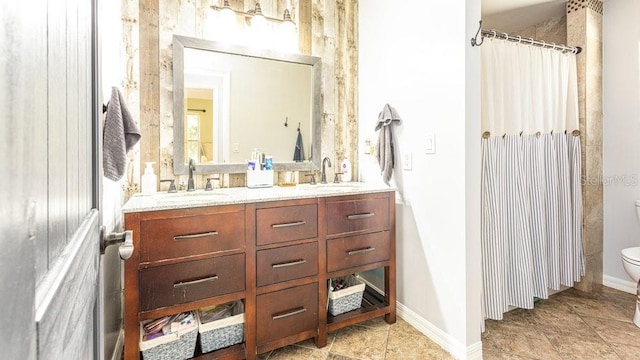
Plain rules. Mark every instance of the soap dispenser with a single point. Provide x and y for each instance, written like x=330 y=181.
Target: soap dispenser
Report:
x=149 y=179
x=345 y=168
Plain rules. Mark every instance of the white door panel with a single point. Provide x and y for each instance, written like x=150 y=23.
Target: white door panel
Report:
x=49 y=235
x=65 y=316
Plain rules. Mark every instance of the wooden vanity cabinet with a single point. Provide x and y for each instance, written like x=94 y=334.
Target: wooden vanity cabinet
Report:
x=276 y=256
x=360 y=236
x=186 y=259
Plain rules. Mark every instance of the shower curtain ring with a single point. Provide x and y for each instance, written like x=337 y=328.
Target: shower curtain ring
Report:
x=494 y=33
x=519 y=39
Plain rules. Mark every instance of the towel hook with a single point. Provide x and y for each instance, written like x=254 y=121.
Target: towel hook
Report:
x=474 y=40
x=298 y=127
x=286 y=121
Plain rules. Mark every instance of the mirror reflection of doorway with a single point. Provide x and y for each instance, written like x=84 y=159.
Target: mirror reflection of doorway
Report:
x=194 y=144
x=203 y=126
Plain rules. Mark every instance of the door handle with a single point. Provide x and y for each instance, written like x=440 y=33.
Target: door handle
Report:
x=194 y=282
x=361 y=251
x=360 y=216
x=288 y=313
x=287 y=264
x=125 y=239
x=297 y=223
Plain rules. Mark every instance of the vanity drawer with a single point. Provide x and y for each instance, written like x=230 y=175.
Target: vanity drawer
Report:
x=287 y=263
x=357 y=250
x=350 y=216
x=287 y=312
x=190 y=281
x=192 y=235
x=288 y=223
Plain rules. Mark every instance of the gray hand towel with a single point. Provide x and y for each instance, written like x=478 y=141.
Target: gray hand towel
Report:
x=298 y=152
x=384 y=147
x=120 y=134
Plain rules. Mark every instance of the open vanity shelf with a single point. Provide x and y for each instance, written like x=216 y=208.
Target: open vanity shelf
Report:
x=276 y=255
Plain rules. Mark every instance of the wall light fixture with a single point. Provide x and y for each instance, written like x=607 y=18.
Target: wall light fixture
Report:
x=256 y=14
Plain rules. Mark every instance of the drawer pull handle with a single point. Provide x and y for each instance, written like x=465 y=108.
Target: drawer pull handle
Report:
x=195 y=236
x=281 y=265
x=291 y=313
x=193 y=282
x=297 y=223
x=361 y=251
x=360 y=216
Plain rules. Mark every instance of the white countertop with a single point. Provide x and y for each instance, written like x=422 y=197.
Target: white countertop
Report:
x=242 y=195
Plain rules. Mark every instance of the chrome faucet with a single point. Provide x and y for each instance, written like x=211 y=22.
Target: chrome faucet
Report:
x=192 y=168
x=323 y=178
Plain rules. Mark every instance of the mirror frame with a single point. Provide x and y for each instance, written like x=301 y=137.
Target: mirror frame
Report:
x=182 y=42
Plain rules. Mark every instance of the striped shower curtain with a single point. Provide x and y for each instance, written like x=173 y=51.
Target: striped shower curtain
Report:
x=531 y=175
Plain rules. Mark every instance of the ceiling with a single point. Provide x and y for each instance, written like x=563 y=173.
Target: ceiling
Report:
x=514 y=15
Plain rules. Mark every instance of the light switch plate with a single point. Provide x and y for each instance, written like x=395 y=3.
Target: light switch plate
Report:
x=236 y=148
x=407 y=162
x=430 y=143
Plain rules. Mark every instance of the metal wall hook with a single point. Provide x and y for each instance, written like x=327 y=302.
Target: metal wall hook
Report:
x=474 y=40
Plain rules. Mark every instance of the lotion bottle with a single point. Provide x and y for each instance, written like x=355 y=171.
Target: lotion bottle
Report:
x=149 y=180
x=345 y=169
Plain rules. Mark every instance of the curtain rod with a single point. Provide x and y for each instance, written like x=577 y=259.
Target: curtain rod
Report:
x=519 y=39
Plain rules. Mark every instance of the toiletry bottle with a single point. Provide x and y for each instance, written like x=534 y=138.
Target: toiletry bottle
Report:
x=345 y=168
x=149 y=180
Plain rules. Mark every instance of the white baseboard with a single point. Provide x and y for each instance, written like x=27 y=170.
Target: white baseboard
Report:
x=453 y=346
x=117 y=352
x=627 y=286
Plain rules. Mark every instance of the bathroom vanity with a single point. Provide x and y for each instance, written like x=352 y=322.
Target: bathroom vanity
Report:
x=273 y=248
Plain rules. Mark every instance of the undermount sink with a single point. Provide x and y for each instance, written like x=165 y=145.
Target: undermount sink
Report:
x=196 y=196
x=335 y=186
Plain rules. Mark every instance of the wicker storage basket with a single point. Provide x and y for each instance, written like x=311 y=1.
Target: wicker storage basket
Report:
x=347 y=299
x=224 y=332
x=178 y=345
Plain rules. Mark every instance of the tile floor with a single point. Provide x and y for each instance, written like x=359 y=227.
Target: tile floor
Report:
x=373 y=339
x=568 y=325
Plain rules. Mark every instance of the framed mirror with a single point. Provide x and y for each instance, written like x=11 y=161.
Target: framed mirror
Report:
x=229 y=100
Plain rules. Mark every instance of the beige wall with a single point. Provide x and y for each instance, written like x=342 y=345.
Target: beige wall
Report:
x=328 y=29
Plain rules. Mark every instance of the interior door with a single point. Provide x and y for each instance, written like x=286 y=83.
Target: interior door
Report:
x=50 y=223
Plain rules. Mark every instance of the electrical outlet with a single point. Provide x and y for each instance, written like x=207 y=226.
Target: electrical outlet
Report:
x=407 y=162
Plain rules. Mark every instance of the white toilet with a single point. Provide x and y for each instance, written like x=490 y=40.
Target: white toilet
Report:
x=631 y=264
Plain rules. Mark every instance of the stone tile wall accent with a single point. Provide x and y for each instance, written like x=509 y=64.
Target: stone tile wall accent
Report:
x=584 y=29
x=553 y=30
x=575 y=5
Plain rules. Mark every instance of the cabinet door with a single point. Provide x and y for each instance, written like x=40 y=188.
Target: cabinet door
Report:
x=192 y=235
x=190 y=281
x=286 y=223
x=357 y=250
x=287 y=312
x=357 y=215
x=287 y=263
